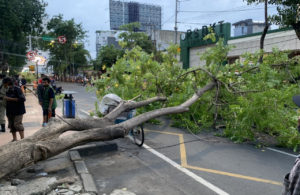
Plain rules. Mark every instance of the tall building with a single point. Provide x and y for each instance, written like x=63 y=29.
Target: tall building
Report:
x=121 y=12
x=246 y=27
x=104 y=38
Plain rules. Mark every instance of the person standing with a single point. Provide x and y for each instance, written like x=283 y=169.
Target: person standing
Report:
x=48 y=101
x=15 y=108
x=40 y=89
x=2 y=104
x=23 y=83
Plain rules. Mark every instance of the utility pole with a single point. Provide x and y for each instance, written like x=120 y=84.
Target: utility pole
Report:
x=175 y=28
x=123 y=13
x=298 y=14
x=30 y=43
x=37 y=70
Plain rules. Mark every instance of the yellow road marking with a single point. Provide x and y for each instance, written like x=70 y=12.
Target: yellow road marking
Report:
x=182 y=151
x=233 y=175
x=164 y=132
x=182 y=145
x=184 y=164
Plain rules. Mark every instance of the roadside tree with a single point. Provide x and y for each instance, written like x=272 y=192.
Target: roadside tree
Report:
x=67 y=57
x=267 y=24
x=131 y=38
x=288 y=13
x=17 y=21
x=107 y=56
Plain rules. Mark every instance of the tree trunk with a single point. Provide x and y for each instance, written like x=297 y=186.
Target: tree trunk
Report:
x=264 y=33
x=296 y=27
x=48 y=142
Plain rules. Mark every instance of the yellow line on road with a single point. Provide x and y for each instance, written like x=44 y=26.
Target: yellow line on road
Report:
x=184 y=164
x=182 y=151
x=164 y=132
x=181 y=142
x=233 y=175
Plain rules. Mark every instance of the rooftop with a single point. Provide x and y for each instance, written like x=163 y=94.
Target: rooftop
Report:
x=249 y=22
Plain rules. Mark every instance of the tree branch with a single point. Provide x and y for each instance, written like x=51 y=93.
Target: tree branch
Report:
x=123 y=106
x=197 y=69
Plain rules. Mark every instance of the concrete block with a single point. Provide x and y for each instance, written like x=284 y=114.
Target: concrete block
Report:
x=81 y=167
x=98 y=149
x=88 y=182
x=74 y=155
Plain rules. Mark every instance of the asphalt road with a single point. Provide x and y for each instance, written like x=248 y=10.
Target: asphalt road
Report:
x=181 y=163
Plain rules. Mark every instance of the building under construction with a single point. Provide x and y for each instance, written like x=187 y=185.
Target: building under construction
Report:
x=121 y=12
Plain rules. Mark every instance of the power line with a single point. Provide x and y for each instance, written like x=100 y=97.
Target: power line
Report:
x=168 y=19
x=222 y=11
x=193 y=23
x=176 y=15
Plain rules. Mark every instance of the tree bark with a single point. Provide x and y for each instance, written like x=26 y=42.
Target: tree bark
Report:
x=48 y=141
x=296 y=27
x=264 y=33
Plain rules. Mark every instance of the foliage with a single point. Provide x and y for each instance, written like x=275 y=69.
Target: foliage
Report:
x=263 y=109
x=130 y=38
x=18 y=20
x=250 y=99
x=28 y=76
x=72 y=54
x=59 y=96
x=137 y=73
x=107 y=56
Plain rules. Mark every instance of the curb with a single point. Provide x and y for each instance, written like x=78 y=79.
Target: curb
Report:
x=80 y=166
x=87 y=179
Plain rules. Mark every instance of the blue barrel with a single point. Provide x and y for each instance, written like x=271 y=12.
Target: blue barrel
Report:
x=69 y=108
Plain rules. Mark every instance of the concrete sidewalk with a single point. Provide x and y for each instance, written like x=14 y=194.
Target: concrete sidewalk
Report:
x=56 y=175
x=32 y=119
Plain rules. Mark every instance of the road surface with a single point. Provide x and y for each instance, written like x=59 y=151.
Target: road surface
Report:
x=174 y=161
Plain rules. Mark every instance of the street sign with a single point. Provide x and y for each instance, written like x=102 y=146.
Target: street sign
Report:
x=32 y=68
x=31 y=55
x=62 y=39
x=48 y=38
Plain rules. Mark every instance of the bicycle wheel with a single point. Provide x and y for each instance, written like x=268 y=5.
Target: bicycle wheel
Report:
x=138 y=135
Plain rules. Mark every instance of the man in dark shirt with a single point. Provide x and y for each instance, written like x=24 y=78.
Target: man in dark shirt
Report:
x=15 y=108
x=48 y=101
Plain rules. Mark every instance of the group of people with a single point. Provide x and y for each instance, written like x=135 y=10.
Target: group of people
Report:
x=12 y=103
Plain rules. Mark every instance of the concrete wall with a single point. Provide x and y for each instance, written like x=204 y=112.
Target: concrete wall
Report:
x=283 y=40
x=195 y=54
x=164 y=38
x=258 y=28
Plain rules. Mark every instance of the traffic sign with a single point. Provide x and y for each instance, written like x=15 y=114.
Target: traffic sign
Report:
x=48 y=38
x=31 y=55
x=62 y=39
x=32 y=68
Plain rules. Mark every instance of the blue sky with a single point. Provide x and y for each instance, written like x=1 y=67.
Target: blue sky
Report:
x=94 y=14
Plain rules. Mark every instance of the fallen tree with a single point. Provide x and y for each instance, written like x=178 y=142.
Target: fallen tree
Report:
x=50 y=141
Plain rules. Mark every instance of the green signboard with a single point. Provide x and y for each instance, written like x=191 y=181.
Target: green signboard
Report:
x=195 y=39
x=48 y=38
